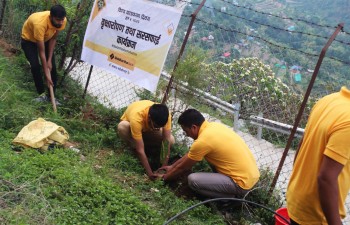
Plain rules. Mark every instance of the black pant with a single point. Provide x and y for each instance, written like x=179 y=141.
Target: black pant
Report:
x=31 y=52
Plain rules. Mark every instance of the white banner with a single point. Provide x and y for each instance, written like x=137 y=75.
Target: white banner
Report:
x=130 y=38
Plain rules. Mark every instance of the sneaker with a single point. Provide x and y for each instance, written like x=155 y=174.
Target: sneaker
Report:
x=42 y=98
x=57 y=102
x=76 y=150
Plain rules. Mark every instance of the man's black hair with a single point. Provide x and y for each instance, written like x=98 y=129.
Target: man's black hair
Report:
x=191 y=117
x=58 y=11
x=159 y=114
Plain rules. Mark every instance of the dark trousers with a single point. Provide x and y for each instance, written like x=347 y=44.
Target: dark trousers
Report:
x=31 y=52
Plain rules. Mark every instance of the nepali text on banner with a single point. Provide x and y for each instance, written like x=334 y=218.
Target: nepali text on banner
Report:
x=130 y=38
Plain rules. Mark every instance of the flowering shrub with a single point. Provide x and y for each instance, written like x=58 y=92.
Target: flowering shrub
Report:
x=253 y=84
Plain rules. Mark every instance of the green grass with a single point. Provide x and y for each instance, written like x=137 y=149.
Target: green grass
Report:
x=104 y=184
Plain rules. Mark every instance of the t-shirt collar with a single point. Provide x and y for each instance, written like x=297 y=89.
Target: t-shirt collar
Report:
x=203 y=126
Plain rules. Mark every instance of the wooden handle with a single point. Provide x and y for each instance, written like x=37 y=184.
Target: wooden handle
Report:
x=52 y=96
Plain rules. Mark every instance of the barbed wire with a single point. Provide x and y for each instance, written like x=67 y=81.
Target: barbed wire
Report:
x=284 y=17
x=267 y=41
x=277 y=28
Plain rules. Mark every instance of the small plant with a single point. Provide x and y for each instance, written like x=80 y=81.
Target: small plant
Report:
x=260 y=194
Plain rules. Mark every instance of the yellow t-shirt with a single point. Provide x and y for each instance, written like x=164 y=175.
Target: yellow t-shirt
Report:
x=227 y=152
x=137 y=115
x=327 y=133
x=38 y=27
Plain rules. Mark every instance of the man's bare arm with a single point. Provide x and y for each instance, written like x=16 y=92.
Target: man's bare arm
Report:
x=51 y=47
x=181 y=166
x=140 y=152
x=42 y=56
x=167 y=137
x=328 y=189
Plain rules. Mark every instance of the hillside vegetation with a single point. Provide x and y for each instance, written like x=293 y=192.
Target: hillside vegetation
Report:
x=103 y=184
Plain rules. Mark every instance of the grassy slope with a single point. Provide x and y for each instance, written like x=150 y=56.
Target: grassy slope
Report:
x=102 y=185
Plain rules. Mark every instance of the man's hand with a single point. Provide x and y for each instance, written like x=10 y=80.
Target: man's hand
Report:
x=164 y=168
x=48 y=79
x=153 y=176
x=158 y=175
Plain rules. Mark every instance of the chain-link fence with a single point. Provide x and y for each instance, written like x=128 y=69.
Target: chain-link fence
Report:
x=111 y=90
x=256 y=67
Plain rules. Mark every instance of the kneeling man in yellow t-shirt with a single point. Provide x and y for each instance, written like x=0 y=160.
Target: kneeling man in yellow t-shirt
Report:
x=236 y=169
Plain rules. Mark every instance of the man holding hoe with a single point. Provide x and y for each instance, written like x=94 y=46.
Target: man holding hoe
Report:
x=39 y=34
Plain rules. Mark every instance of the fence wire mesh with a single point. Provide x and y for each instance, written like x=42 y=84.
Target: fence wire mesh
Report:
x=258 y=63
x=110 y=90
x=266 y=77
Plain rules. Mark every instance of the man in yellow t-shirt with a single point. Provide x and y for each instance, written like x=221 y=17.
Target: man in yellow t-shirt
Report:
x=146 y=125
x=39 y=34
x=320 y=179
x=235 y=166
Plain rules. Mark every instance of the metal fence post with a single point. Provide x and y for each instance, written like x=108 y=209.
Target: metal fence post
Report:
x=194 y=15
x=303 y=105
x=259 y=133
x=237 y=107
x=87 y=81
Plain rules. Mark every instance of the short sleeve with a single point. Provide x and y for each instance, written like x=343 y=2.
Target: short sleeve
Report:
x=136 y=130
x=168 y=124
x=197 y=151
x=338 y=147
x=39 y=33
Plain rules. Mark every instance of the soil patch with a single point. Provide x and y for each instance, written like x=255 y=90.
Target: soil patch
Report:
x=7 y=49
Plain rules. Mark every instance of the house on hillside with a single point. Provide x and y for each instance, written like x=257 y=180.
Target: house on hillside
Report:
x=250 y=38
x=295 y=73
x=291 y=28
x=226 y=54
x=297 y=77
x=242 y=43
x=295 y=68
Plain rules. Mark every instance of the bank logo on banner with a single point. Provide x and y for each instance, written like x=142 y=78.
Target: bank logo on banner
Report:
x=130 y=38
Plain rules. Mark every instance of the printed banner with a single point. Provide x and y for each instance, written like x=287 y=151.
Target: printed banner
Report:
x=130 y=38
